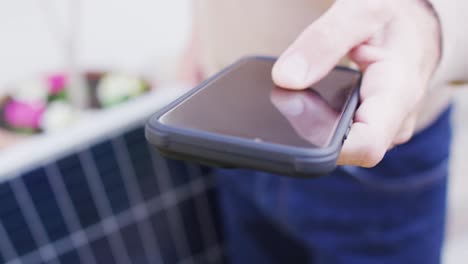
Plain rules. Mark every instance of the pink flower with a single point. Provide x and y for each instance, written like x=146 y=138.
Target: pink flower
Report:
x=24 y=115
x=57 y=83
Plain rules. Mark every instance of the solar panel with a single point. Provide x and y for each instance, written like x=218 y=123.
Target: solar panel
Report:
x=116 y=201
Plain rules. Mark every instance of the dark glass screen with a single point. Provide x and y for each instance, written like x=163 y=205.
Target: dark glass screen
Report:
x=244 y=102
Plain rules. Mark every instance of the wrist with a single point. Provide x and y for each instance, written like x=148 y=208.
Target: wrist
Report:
x=452 y=65
x=432 y=20
x=427 y=5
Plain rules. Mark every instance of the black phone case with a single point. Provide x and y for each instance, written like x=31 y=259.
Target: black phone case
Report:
x=229 y=151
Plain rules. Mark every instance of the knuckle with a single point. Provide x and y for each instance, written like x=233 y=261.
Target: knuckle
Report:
x=323 y=33
x=378 y=9
x=405 y=134
x=403 y=137
x=418 y=93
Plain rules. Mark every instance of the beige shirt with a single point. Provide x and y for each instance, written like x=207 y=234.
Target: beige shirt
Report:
x=230 y=29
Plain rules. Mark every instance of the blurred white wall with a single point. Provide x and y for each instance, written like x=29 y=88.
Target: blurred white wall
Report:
x=133 y=35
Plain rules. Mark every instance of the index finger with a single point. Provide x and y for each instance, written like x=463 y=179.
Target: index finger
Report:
x=320 y=47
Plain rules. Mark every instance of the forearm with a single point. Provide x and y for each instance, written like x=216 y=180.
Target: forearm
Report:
x=454 y=59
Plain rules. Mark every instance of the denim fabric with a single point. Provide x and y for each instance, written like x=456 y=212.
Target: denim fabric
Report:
x=393 y=213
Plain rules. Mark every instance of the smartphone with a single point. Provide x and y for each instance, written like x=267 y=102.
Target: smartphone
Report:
x=240 y=118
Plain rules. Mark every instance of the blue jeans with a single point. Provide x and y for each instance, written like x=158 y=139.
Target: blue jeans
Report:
x=393 y=213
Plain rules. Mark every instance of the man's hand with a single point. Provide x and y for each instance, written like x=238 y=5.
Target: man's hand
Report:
x=396 y=43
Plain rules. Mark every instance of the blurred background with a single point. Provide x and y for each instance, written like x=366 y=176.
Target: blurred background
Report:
x=141 y=35
x=142 y=39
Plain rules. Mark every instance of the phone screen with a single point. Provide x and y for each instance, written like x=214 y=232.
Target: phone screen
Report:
x=244 y=102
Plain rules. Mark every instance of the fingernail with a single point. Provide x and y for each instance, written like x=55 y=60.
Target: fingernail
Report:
x=293 y=71
x=291 y=107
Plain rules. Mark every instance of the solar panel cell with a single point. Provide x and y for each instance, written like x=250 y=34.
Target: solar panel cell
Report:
x=45 y=203
x=70 y=257
x=134 y=244
x=78 y=190
x=111 y=176
x=164 y=237
x=142 y=165
x=190 y=220
x=14 y=222
x=37 y=184
x=102 y=251
x=179 y=172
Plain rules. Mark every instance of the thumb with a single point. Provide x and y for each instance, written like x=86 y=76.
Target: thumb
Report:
x=320 y=47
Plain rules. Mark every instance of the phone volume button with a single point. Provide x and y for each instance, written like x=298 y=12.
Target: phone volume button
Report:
x=346 y=133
